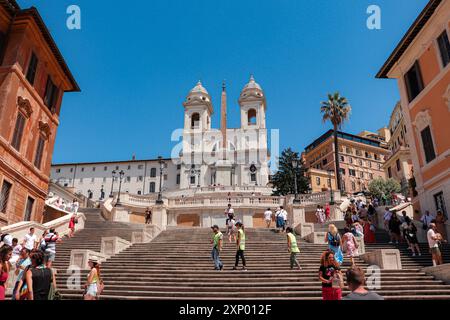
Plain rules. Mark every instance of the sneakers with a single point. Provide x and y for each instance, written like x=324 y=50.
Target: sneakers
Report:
x=221 y=267
x=234 y=268
x=244 y=269
x=420 y=254
x=413 y=254
x=390 y=242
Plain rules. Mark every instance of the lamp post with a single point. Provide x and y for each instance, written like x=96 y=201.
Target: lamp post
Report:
x=161 y=168
x=121 y=174
x=331 y=187
x=295 y=165
x=199 y=171
x=112 y=183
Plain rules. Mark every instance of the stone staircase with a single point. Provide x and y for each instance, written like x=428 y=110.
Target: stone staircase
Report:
x=382 y=242
x=177 y=265
x=96 y=227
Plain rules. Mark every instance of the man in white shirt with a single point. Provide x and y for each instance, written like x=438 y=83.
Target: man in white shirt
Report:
x=16 y=251
x=30 y=240
x=268 y=217
x=229 y=212
x=6 y=239
x=283 y=213
x=426 y=219
x=433 y=241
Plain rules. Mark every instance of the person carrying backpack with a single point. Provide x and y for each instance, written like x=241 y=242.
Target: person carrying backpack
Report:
x=334 y=243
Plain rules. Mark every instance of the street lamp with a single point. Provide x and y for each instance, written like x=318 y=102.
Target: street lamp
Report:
x=161 y=168
x=121 y=174
x=112 y=183
x=330 y=172
x=295 y=165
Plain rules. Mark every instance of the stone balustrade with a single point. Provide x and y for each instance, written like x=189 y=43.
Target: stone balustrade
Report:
x=61 y=225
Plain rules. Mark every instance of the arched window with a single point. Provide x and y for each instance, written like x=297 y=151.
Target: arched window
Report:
x=195 y=121
x=251 y=117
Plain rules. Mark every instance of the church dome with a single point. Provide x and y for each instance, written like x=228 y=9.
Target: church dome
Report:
x=252 y=84
x=198 y=96
x=199 y=88
x=251 y=91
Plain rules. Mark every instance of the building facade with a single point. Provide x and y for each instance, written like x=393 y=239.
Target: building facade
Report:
x=33 y=79
x=140 y=177
x=398 y=164
x=321 y=180
x=224 y=156
x=201 y=159
x=361 y=159
x=421 y=65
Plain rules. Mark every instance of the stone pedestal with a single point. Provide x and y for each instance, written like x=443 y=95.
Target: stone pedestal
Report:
x=80 y=258
x=385 y=259
x=120 y=214
x=247 y=219
x=159 y=216
x=298 y=214
x=223 y=173
x=317 y=237
x=113 y=245
x=304 y=229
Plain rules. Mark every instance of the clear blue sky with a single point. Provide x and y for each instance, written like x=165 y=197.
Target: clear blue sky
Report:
x=135 y=62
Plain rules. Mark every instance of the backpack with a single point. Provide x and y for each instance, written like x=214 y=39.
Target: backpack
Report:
x=334 y=241
x=43 y=246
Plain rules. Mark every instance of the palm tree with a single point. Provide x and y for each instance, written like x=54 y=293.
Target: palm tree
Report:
x=336 y=110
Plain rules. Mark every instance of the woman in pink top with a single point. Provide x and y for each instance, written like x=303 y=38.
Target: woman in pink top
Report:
x=5 y=255
x=350 y=245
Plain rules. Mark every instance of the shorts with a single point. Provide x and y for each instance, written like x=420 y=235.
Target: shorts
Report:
x=435 y=251
x=50 y=256
x=92 y=290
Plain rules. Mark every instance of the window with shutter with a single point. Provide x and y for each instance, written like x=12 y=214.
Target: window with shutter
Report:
x=444 y=48
x=39 y=153
x=413 y=81
x=427 y=142
x=4 y=196
x=32 y=67
x=51 y=95
x=18 y=132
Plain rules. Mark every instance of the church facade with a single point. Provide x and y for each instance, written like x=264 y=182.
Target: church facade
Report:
x=225 y=156
x=201 y=162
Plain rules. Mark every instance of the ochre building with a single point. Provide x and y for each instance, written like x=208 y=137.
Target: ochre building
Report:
x=33 y=79
x=421 y=65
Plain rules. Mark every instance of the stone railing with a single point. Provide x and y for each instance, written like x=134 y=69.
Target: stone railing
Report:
x=244 y=201
x=61 y=225
x=319 y=197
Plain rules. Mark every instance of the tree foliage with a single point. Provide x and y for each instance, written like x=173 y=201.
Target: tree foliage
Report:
x=336 y=110
x=383 y=189
x=283 y=180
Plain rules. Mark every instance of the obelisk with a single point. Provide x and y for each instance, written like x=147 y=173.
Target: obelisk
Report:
x=223 y=120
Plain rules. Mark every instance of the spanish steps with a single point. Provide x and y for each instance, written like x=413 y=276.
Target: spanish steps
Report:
x=177 y=265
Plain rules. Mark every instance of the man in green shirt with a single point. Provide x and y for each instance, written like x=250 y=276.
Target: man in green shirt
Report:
x=217 y=247
x=292 y=248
